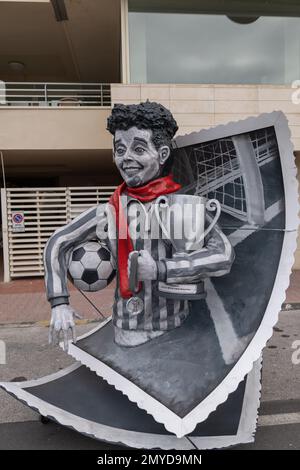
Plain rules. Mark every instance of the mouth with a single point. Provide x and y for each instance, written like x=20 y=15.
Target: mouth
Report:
x=132 y=170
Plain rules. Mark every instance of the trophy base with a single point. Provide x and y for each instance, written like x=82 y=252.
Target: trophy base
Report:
x=182 y=291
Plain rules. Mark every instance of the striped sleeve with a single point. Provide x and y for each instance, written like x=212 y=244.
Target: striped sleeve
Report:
x=214 y=259
x=59 y=247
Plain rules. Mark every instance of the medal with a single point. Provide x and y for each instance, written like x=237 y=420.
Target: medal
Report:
x=134 y=305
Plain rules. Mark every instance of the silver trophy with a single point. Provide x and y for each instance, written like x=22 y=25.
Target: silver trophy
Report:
x=182 y=221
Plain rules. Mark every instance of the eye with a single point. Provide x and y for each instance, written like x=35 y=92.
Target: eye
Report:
x=139 y=150
x=120 y=151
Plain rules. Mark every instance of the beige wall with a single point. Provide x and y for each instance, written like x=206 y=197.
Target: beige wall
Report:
x=54 y=128
x=194 y=107
x=198 y=106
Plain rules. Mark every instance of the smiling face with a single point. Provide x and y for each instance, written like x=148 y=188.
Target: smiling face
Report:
x=137 y=158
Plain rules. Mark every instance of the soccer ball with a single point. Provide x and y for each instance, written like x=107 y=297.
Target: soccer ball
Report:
x=91 y=266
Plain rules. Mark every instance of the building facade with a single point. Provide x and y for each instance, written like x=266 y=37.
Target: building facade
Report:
x=64 y=63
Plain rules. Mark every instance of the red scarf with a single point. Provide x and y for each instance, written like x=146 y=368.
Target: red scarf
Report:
x=147 y=193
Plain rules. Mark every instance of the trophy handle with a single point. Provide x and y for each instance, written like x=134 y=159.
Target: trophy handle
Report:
x=211 y=205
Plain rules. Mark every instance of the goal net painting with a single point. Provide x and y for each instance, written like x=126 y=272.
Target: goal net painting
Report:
x=231 y=169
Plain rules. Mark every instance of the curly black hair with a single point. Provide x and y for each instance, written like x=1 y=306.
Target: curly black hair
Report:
x=147 y=115
x=153 y=116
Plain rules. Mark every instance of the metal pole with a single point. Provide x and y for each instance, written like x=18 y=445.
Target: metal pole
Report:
x=3 y=170
x=5 y=235
x=253 y=186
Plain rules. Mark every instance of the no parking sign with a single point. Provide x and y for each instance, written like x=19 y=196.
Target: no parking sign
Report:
x=18 y=222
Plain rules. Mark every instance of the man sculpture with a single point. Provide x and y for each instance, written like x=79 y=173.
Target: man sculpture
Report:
x=142 y=153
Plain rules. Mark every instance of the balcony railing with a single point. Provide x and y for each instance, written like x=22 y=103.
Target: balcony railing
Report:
x=55 y=94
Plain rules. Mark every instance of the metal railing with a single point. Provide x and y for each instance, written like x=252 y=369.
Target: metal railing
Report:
x=55 y=94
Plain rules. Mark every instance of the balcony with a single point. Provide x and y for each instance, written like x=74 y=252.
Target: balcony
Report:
x=54 y=116
x=55 y=94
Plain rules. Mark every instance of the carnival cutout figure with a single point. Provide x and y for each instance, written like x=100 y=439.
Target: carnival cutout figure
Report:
x=158 y=271
x=200 y=236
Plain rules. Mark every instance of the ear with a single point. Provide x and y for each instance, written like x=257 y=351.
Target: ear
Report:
x=164 y=153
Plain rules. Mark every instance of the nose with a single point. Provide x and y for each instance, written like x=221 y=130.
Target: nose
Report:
x=128 y=156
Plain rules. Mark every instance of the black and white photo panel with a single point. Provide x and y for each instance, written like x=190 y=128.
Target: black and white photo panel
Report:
x=106 y=414
x=181 y=377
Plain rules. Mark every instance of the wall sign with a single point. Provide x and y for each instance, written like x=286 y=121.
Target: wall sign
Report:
x=18 y=222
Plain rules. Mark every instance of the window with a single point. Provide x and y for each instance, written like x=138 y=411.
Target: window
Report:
x=197 y=48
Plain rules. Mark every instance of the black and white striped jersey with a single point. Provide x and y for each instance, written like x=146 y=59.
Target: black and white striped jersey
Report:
x=159 y=313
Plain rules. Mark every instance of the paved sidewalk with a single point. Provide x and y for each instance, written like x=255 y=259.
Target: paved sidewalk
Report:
x=29 y=356
x=293 y=292
x=24 y=300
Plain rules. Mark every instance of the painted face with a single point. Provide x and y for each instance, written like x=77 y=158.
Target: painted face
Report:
x=136 y=157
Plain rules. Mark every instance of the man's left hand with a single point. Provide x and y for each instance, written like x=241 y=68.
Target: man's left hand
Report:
x=147 y=268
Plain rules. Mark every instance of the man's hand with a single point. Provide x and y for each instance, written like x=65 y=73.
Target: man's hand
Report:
x=147 y=268
x=62 y=319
